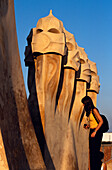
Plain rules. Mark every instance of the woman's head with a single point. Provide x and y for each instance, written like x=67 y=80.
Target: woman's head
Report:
x=88 y=104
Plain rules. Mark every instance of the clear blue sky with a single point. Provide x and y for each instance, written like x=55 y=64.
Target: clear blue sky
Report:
x=91 y=23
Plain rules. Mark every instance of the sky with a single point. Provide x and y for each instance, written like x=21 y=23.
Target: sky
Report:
x=90 y=21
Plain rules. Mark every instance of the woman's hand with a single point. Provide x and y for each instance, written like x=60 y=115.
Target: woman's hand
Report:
x=93 y=134
x=86 y=126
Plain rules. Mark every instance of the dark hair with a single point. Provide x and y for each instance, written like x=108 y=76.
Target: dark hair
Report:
x=88 y=104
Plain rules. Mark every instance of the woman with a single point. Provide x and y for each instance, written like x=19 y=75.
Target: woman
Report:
x=95 y=136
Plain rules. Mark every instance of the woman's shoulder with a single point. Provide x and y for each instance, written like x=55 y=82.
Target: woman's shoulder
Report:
x=95 y=109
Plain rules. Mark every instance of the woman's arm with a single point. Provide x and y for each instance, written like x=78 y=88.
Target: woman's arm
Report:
x=99 y=118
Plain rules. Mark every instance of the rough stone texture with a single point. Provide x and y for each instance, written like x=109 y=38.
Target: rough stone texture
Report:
x=3 y=159
x=45 y=132
x=73 y=59
x=67 y=145
x=94 y=86
x=62 y=73
x=17 y=132
x=77 y=114
x=94 y=83
x=48 y=36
